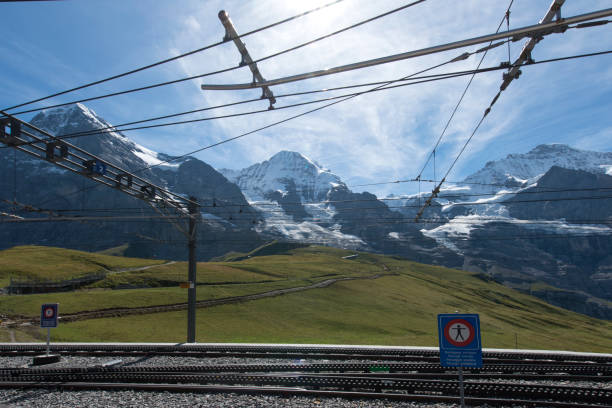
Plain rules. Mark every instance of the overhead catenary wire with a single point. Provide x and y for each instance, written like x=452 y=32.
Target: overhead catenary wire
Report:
x=294 y=117
x=513 y=73
x=224 y=70
x=536 y=30
x=413 y=81
x=258 y=206
x=175 y=158
x=158 y=63
x=467 y=86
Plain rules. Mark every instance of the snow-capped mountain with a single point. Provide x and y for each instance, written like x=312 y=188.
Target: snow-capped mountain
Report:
x=292 y=192
x=521 y=169
x=112 y=146
x=42 y=184
x=509 y=220
x=286 y=172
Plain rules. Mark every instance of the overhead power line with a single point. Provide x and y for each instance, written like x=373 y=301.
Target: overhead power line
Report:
x=467 y=86
x=158 y=63
x=407 y=82
x=143 y=88
x=257 y=206
x=513 y=73
x=536 y=30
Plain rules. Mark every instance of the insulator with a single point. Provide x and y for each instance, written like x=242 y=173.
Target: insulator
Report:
x=123 y=180
x=147 y=191
x=94 y=167
x=10 y=130
x=56 y=151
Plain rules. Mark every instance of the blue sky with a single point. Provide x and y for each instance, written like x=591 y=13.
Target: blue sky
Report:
x=51 y=46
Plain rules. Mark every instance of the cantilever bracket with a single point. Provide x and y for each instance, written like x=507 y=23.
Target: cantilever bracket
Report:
x=231 y=34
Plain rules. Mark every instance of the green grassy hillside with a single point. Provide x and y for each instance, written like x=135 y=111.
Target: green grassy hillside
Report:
x=48 y=263
x=390 y=301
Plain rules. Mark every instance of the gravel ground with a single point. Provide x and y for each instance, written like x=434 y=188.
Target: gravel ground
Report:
x=94 y=399
x=36 y=399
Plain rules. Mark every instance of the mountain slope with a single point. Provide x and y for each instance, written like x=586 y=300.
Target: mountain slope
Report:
x=518 y=169
x=300 y=200
x=229 y=218
x=502 y=220
x=389 y=301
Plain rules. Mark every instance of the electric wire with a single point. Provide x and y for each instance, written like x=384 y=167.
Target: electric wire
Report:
x=224 y=70
x=155 y=64
x=221 y=204
x=418 y=177
x=226 y=209
x=413 y=81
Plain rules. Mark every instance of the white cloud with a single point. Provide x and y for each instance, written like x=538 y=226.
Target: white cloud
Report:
x=385 y=135
x=381 y=136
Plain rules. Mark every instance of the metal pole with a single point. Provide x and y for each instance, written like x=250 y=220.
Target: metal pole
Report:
x=48 y=340
x=191 y=292
x=461 y=391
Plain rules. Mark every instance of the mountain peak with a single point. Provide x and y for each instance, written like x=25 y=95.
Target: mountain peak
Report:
x=530 y=166
x=284 y=172
x=552 y=148
x=288 y=156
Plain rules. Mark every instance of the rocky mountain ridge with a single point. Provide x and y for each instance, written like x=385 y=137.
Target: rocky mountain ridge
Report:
x=229 y=218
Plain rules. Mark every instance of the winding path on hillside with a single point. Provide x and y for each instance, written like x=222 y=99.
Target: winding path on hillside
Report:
x=119 y=312
x=139 y=268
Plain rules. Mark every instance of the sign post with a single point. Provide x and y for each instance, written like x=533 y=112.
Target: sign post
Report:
x=48 y=319
x=460 y=344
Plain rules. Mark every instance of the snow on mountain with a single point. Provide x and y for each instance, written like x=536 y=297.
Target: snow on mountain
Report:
x=285 y=172
x=480 y=198
x=520 y=169
x=278 y=223
x=288 y=189
x=112 y=145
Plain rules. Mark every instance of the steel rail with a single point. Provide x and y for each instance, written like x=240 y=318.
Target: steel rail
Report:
x=516 y=35
x=291 y=392
x=408 y=371
x=490 y=362
x=533 y=392
x=541 y=369
x=295 y=350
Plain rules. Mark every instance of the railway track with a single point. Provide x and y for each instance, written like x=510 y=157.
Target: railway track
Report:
x=594 y=372
x=493 y=393
x=128 y=311
x=295 y=352
x=392 y=373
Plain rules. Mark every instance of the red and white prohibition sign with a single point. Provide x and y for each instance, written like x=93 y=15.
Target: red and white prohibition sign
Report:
x=459 y=332
x=49 y=312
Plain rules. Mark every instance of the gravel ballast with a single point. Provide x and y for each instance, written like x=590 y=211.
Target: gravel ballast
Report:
x=92 y=399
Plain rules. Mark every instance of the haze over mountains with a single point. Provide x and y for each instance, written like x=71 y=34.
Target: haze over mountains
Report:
x=529 y=220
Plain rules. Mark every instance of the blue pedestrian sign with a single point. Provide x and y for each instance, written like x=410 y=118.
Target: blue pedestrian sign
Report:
x=459 y=338
x=48 y=315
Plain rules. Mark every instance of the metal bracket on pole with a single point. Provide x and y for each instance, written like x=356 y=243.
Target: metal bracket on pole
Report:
x=554 y=10
x=231 y=34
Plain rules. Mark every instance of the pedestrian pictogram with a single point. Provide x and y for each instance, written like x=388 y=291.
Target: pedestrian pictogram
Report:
x=459 y=336
x=459 y=332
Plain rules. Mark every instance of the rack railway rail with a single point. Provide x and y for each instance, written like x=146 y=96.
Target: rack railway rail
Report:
x=508 y=377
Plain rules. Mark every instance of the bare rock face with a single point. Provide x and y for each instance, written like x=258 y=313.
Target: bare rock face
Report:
x=44 y=185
